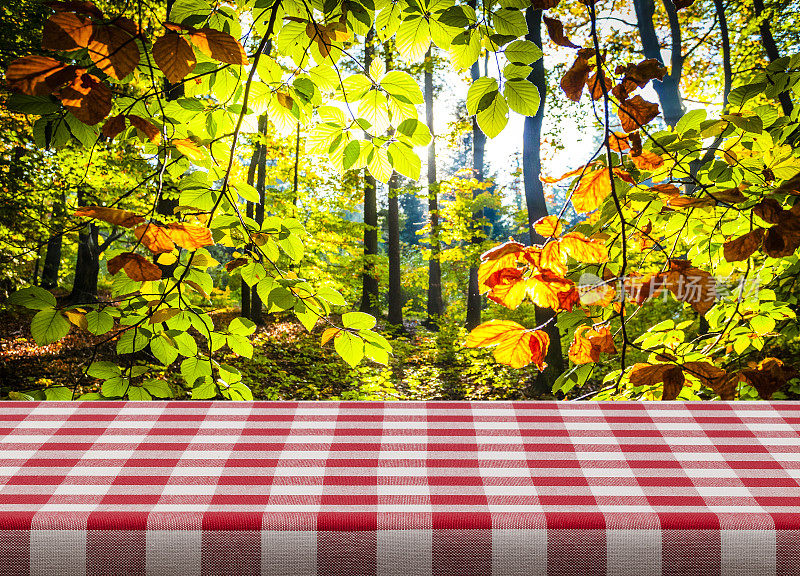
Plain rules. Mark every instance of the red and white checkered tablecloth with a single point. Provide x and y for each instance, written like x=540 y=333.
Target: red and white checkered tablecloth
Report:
x=399 y=489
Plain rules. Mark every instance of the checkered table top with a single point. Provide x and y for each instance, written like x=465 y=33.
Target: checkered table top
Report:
x=399 y=489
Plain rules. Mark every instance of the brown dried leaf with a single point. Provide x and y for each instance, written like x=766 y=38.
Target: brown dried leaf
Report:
x=137 y=267
x=150 y=130
x=636 y=112
x=113 y=216
x=743 y=247
x=38 y=75
x=113 y=49
x=219 y=45
x=575 y=79
x=555 y=29
x=113 y=126
x=65 y=31
x=87 y=98
x=174 y=56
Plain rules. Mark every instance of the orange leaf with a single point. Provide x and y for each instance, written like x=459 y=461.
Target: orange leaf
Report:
x=87 y=98
x=113 y=49
x=137 y=267
x=491 y=333
x=38 y=75
x=555 y=29
x=65 y=32
x=113 y=216
x=174 y=56
x=507 y=287
x=596 y=88
x=328 y=334
x=150 y=131
x=516 y=346
x=743 y=247
x=549 y=290
x=188 y=149
x=636 y=112
x=592 y=190
x=189 y=236
x=647 y=160
x=219 y=45
x=497 y=258
x=154 y=238
x=547 y=258
x=584 y=249
x=552 y=180
x=548 y=226
x=581 y=351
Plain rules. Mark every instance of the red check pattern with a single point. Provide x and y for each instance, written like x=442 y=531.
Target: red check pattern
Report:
x=399 y=489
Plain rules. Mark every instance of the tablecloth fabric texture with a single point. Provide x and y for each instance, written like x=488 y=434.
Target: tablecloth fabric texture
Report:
x=399 y=489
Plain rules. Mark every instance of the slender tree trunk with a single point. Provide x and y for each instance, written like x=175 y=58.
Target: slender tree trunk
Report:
x=261 y=181
x=87 y=264
x=370 y=296
x=772 y=51
x=478 y=149
x=535 y=201
x=668 y=89
x=435 y=302
x=52 y=256
x=395 y=299
x=251 y=180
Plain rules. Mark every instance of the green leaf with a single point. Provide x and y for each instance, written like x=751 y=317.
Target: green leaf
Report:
x=206 y=389
x=246 y=191
x=404 y=160
x=58 y=394
x=240 y=345
x=350 y=347
x=242 y=326
x=115 y=387
x=741 y=94
x=494 y=118
x=103 y=370
x=137 y=393
x=358 y=320
x=132 y=341
x=413 y=38
x=516 y=71
x=38 y=105
x=239 y=391
x=20 y=397
x=194 y=368
x=691 y=121
x=480 y=94
x=165 y=352
x=34 y=298
x=522 y=97
x=48 y=326
x=415 y=132
x=379 y=165
x=522 y=52
x=99 y=322
x=331 y=295
x=465 y=49
x=86 y=135
x=229 y=374
x=401 y=85
x=510 y=22
x=158 y=388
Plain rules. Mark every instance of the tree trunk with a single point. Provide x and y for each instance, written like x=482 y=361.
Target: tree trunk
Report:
x=535 y=201
x=370 y=296
x=395 y=299
x=251 y=180
x=435 y=302
x=261 y=181
x=52 y=257
x=772 y=51
x=668 y=89
x=478 y=148
x=87 y=264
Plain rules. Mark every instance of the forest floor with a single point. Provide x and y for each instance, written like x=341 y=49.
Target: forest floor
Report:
x=288 y=363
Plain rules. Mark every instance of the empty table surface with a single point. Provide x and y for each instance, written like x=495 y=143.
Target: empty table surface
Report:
x=399 y=489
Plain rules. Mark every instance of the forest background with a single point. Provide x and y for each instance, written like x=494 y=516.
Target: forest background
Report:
x=209 y=199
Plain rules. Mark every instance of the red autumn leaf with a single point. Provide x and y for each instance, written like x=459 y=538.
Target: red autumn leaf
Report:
x=113 y=216
x=154 y=238
x=87 y=98
x=742 y=248
x=66 y=31
x=113 y=49
x=219 y=45
x=137 y=267
x=575 y=79
x=38 y=75
x=113 y=126
x=174 y=56
x=150 y=131
x=636 y=112
x=555 y=29
x=189 y=236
